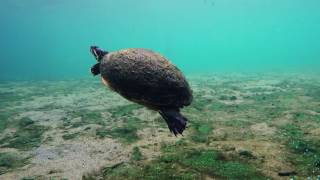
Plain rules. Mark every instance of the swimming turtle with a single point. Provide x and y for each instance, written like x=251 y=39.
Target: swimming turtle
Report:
x=147 y=78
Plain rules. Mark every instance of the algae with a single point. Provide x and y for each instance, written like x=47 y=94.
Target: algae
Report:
x=11 y=161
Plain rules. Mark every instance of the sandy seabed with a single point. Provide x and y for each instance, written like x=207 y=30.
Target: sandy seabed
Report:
x=78 y=129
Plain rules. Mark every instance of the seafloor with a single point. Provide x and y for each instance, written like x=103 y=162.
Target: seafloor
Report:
x=241 y=126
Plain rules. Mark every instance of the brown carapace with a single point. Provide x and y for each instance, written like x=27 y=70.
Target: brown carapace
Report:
x=146 y=78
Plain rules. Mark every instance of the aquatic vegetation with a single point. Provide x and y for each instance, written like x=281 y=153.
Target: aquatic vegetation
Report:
x=201 y=159
x=11 y=98
x=267 y=98
x=226 y=98
x=237 y=123
x=11 y=161
x=305 y=153
x=209 y=162
x=121 y=171
x=313 y=91
x=7 y=118
x=27 y=136
x=202 y=131
x=87 y=117
x=295 y=138
x=25 y=122
x=180 y=161
x=136 y=154
x=154 y=171
x=38 y=178
x=199 y=103
x=236 y=170
x=124 y=110
x=218 y=106
x=4 y=116
x=304 y=117
x=102 y=132
x=71 y=135
x=171 y=148
x=247 y=154
x=212 y=163
x=127 y=132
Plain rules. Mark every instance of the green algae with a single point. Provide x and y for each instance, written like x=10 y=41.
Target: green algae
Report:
x=180 y=161
x=71 y=136
x=200 y=103
x=86 y=117
x=305 y=117
x=4 y=117
x=125 y=110
x=226 y=98
x=305 y=153
x=40 y=177
x=202 y=131
x=237 y=123
x=127 y=132
x=210 y=162
x=136 y=154
x=27 y=136
x=11 y=161
x=156 y=170
x=7 y=118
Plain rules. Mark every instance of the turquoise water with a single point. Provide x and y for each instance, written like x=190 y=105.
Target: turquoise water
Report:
x=42 y=39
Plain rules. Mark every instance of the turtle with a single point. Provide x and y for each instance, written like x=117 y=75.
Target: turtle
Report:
x=147 y=78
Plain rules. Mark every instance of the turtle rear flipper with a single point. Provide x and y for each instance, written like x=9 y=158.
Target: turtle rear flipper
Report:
x=95 y=69
x=176 y=122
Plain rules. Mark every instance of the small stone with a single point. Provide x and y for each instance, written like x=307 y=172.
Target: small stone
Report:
x=287 y=173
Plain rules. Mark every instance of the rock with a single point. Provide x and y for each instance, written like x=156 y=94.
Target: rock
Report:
x=287 y=173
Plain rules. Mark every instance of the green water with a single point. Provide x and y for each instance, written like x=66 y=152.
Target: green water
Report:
x=50 y=39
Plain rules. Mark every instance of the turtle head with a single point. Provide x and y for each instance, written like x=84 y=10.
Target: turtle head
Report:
x=97 y=52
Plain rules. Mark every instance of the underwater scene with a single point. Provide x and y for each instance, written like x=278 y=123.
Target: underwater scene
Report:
x=159 y=90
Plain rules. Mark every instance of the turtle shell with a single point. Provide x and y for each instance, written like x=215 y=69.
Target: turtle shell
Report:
x=147 y=78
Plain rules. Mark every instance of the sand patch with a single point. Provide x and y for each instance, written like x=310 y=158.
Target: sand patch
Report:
x=262 y=129
x=72 y=159
x=151 y=140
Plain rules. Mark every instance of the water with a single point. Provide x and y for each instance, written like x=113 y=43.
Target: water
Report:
x=253 y=67
x=50 y=39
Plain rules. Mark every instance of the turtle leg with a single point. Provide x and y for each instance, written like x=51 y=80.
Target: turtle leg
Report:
x=176 y=122
x=95 y=69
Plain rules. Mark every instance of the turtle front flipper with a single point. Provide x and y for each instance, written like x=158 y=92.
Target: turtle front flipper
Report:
x=95 y=69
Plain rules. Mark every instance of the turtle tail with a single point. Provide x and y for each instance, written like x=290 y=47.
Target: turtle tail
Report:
x=175 y=120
